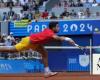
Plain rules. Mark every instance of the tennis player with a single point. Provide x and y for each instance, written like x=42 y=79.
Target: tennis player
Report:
x=36 y=42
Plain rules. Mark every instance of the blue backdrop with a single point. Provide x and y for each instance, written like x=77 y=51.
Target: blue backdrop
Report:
x=76 y=27
x=20 y=66
x=96 y=43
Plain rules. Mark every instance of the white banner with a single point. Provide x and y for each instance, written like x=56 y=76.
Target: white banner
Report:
x=96 y=64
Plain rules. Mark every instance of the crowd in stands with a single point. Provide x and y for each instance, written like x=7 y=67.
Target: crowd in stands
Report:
x=84 y=7
x=23 y=3
x=30 y=9
x=7 y=41
x=78 y=3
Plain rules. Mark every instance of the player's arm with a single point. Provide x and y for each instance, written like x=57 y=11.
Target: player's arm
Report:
x=62 y=38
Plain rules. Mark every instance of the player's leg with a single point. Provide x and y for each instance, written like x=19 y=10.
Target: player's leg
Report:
x=21 y=46
x=10 y=49
x=44 y=54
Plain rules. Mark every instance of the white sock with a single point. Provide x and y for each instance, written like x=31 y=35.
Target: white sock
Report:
x=47 y=69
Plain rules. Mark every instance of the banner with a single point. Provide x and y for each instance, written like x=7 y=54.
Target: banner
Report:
x=20 y=66
x=22 y=23
x=96 y=64
x=68 y=60
x=74 y=27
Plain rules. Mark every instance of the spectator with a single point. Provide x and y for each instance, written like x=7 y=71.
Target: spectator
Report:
x=10 y=3
x=73 y=13
x=94 y=3
x=83 y=1
x=61 y=2
x=16 y=17
x=41 y=2
x=79 y=3
x=88 y=12
x=45 y=14
x=58 y=5
x=25 y=7
x=21 y=14
x=37 y=15
x=65 y=13
x=5 y=2
x=87 y=4
x=11 y=13
x=98 y=14
x=66 y=4
x=53 y=16
x=25 y=15
x=2 y=3
x=5 y=16
x=12 y=39
x=36 y=6
x=30 y=4
x=17 y=40
x=81 y=14
x=72 y=4
x=8 y=41
x=23 y=2
x=44 y=3
x=30 y=15
x=15 y=2
x=3 y=38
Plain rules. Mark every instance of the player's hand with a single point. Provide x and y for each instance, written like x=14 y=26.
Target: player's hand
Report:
x=72 y=42
x=81 y=47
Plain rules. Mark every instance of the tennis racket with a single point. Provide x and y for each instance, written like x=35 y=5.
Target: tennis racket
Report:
x=84 y=58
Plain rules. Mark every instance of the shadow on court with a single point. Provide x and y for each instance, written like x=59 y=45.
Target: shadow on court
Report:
x=59 y=76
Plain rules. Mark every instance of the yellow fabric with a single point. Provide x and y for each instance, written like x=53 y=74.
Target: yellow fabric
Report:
x=25 y=44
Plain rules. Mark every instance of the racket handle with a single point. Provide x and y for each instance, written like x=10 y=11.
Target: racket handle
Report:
x=78 y=46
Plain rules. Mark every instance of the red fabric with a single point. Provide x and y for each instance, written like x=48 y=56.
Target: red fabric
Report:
x=42 y=37
x=45 y=15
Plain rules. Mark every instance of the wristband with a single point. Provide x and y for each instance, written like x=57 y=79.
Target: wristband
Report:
x=68 y=39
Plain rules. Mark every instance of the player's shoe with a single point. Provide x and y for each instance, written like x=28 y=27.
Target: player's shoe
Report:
x=49 y=74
